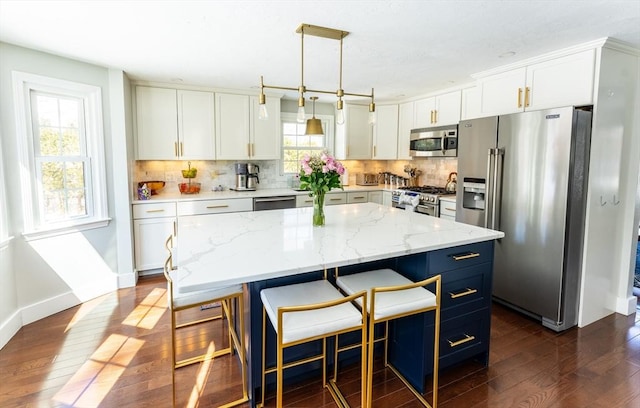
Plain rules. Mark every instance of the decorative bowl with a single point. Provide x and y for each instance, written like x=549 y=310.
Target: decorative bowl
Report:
x=153 y=186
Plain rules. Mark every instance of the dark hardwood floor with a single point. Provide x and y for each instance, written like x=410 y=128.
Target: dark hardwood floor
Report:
x=114 y=351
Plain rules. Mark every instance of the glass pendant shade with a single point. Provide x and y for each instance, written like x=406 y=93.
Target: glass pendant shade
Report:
x=263 y=113
x=340 y=117
x=301 y=114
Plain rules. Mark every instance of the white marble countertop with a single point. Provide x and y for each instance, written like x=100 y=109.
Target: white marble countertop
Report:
x=230 y=194
x=221 y=249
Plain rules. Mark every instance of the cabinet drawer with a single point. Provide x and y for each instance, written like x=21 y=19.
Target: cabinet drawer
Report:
x=460 y=257
x=335 y=198
x=447 y=209
x=214 y=206
x=465 y=290
x=304 y=201
x=464 y=337
x=154 y=210
x=357 y=197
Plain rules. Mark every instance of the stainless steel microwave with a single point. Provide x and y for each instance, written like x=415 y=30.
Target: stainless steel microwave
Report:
x=434 y=142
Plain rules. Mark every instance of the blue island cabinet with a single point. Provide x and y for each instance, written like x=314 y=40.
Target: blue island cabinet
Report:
x=465 y=316
x=465 y=320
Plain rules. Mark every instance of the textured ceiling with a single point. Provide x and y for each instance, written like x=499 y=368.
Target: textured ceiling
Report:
x=402 y=48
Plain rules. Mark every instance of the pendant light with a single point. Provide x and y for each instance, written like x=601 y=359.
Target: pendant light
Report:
x=332 y=34
x=314 y=126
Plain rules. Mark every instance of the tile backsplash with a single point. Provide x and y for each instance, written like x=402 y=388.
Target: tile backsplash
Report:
x=434 y=171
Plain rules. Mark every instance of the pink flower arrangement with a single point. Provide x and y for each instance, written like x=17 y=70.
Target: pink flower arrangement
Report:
x=320 y=173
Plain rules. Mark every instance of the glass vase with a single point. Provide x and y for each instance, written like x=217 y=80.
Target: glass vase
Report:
x=318 y=209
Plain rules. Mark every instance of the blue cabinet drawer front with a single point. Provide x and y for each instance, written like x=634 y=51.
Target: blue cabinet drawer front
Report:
x=464 y=337
x=460 y=257
x=465 y=290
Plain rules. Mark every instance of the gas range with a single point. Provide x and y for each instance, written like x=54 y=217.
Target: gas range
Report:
x=428 y=198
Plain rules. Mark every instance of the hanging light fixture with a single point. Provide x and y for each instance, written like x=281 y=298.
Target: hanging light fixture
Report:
x=332 y=34
x=314 y=126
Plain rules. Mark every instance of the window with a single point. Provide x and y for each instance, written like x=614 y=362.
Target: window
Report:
x=295 y=144
x=62 y=146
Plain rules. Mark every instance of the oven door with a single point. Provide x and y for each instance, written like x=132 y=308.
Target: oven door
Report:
x=427 y=209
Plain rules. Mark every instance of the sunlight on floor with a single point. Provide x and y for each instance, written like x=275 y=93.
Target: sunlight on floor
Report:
x=97 y=376
x=84 y=310
x=147 y=314
x=201 y=380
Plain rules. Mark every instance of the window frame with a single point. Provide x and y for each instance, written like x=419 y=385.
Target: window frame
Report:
x=4 y=216
x=327 y=125
x=95 y=182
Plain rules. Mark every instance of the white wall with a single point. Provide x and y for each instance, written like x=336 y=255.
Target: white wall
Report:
x=52 y=274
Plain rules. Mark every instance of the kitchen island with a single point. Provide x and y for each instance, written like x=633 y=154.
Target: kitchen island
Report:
x=279 y=247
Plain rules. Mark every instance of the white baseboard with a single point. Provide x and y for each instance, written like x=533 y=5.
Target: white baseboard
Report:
x=627 y=306
x=47 y=307
x=9 y=328
x=127 y=280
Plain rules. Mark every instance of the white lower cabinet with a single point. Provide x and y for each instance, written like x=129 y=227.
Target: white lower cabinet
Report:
x=197 y=207
x=375 y=197
x=448 y=209
x=152 y=225
x=335 y=198
x=361 y=197
x=386 y=198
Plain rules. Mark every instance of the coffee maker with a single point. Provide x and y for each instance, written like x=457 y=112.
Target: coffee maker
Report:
x=246 y=176
x=252 y=176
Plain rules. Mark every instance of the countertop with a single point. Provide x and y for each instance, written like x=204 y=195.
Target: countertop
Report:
x=166 y=196
x=250 y=246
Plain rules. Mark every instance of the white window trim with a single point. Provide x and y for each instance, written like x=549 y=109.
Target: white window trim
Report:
x=5 y=238
x=23 y=83
x=329 y=136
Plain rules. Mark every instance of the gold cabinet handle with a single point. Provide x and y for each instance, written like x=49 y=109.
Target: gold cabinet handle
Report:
x=253 y=149
x=519 y=97
x=335 y=199
x=308 y=201
x=465 y=256
x=211 y=207
x=358 y=198
x=175 y=148
x=181 y=149
x=175 y=228
x=374 y=151
x=435 y=116
x=155 y=211
x=467 y=292
x=466 y=339
x=249 y=149
x=431 y=117
x=527 y=92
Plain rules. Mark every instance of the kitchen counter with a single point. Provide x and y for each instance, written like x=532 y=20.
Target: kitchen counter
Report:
x=166 y=196
x=251 y=246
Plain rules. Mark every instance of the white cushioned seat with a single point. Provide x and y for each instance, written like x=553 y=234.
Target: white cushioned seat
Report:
x=387 y=303
x=311 y=323
x=192 y=298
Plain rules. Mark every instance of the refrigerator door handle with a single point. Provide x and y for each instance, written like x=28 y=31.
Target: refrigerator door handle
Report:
x=497 y=188
x=489 y=197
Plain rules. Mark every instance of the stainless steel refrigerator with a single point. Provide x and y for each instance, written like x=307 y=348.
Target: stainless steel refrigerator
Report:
x=526 y=174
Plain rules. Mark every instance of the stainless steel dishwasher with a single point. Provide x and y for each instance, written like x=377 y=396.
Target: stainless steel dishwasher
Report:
x=274 y=203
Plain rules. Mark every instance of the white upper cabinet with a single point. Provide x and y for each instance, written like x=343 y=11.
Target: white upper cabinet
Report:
x=385 y=133
x=558 y=82
x=354 y=137
x=470 y=106
x=240 y=135
x=174 y=124
x=405 y=124
x=439 y=110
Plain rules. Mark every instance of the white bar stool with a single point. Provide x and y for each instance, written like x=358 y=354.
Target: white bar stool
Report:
x=304 y=312
x=392 y=296
x=227 y=296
